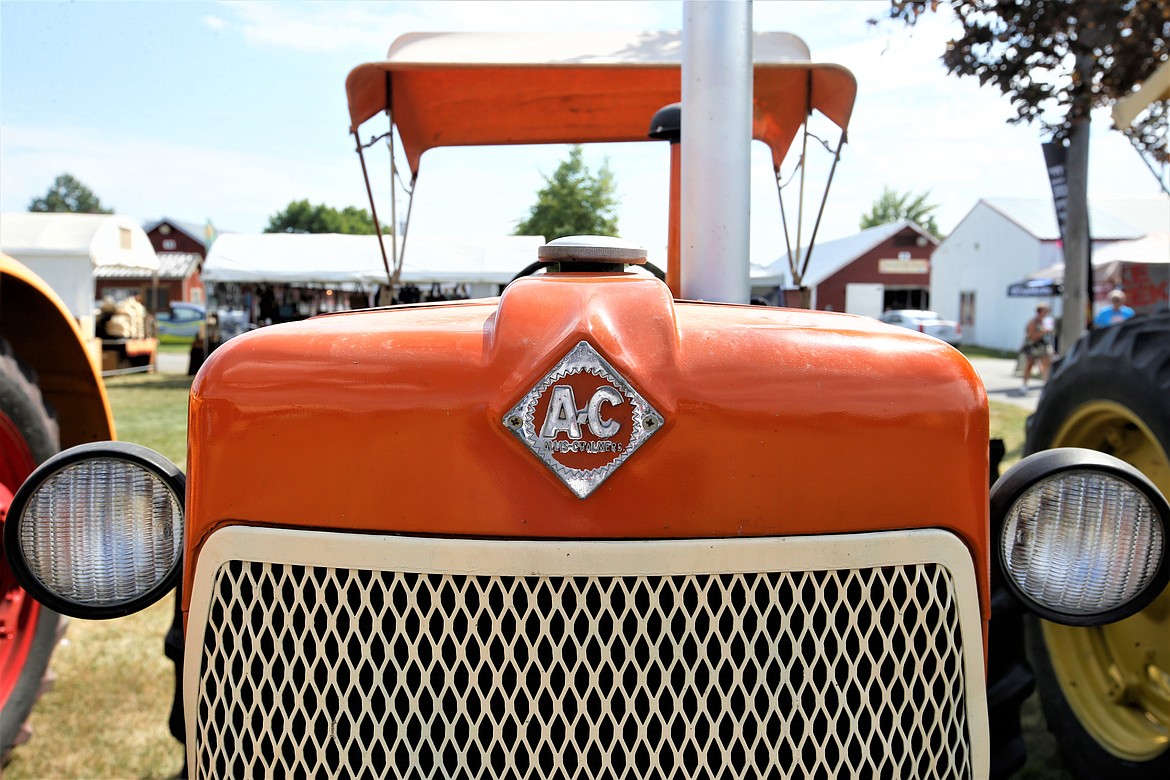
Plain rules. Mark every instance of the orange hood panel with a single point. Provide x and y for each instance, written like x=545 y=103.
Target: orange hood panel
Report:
x=776 y=422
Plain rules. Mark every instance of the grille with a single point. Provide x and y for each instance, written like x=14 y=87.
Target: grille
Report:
x=406 y=671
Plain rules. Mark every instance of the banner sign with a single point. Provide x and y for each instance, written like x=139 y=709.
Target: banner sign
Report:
x=1054 y=158
x=1035 y=288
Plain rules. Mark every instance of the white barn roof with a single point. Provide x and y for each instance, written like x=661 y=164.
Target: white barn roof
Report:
x=831 y=256
x=332 y=258
x=1119 y=219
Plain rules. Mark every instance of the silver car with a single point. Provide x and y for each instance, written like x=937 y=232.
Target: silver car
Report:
x=927 y=322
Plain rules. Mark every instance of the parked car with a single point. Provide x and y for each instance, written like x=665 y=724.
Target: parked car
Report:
x=927 y=322
x=181 y=323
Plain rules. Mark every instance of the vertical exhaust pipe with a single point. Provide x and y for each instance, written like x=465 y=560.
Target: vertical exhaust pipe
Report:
x=715 y=193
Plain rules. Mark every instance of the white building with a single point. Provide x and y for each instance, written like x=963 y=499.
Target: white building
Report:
x=1003 y=241
x=66 y=250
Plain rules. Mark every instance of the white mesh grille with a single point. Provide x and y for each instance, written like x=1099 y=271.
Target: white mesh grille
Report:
x=359 y=672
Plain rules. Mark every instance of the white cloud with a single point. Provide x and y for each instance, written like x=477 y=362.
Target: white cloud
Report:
x=214 y=22
x=366 y=27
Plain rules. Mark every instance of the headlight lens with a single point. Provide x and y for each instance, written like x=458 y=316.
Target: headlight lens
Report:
x=1082 y=542
x=97 y=531
x=1082 y=536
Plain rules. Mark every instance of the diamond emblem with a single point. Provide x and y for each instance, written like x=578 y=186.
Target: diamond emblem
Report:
x=583 y=419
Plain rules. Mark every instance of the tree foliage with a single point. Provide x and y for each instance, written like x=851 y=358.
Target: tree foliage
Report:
x=69 y=195
x=574 y=201
x=300 y=216
x=1055 y=59
x=893 y=206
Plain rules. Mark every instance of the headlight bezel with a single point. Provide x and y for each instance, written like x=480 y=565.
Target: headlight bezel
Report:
x=139 y=456
x=1043 y=466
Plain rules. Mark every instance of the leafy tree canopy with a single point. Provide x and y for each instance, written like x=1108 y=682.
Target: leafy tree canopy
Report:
x=68 y=194
x=574 y=201
x=893 y=206
x=300 y=216
x=1055 y=59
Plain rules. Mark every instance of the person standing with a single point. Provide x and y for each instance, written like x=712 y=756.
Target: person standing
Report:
x=1037 y=347
x=1116 y=312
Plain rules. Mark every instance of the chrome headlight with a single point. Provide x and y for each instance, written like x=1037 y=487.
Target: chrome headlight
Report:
x=97 y=530
x=1082 y=536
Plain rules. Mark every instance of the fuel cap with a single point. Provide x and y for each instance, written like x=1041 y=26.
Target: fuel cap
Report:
x=591 y=253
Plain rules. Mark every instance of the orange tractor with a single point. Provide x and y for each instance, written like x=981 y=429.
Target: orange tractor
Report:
x=594 y=526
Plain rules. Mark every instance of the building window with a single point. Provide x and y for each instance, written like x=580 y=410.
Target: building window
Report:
x=967 y=309
x=169 y=243
x=124 y=238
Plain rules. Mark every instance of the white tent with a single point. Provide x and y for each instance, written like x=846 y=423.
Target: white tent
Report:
x=331 y=258
x=1141 y=267
x=1152 y=249
x=64 y=250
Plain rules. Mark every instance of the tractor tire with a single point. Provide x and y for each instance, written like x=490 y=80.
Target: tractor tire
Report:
x=1105 y=690
x=28 y=631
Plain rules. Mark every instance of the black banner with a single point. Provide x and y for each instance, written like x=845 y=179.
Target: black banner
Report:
x=1054 y=157
x=1054 y=160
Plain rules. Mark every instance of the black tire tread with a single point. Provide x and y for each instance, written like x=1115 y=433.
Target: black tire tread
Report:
x=21 y=400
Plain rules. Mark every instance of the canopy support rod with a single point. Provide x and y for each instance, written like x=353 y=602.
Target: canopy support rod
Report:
x=792 y=261
x=824 y=199
x=393 y=205
x=373 y=208
x=800 y=198
x=405 y=228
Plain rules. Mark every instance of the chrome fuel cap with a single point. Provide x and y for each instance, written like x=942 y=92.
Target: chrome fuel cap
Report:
x=591 y=253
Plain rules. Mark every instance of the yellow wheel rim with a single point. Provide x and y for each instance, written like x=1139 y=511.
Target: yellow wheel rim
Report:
x=1116 y=678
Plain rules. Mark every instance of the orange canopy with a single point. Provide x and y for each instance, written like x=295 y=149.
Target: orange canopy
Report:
x=478 y=89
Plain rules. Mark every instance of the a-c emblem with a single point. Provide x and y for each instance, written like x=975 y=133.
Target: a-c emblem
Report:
x=583 y=419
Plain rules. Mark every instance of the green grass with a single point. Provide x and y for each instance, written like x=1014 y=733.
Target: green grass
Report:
x=107 y=715
x=151 y=410
x=974 y=351
x=1008 y=422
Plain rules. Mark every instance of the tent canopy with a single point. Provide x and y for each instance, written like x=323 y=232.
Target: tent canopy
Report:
x=332 y=258
x=1151 y=249
x=462 y=89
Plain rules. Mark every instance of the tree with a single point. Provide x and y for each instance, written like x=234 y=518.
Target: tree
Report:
x=1057 y=60
x=573 y=202
x=69 y=195
x=302 y=217
x=892 y=206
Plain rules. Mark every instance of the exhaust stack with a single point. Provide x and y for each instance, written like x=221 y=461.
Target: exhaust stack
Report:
x=716 y=150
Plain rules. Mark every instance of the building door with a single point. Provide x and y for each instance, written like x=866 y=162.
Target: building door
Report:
x=864 y=299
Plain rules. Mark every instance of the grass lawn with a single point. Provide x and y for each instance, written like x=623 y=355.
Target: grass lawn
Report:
x=107 y=715
x=1007 y=423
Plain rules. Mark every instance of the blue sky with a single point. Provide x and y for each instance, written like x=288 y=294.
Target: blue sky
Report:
x=228 y=111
